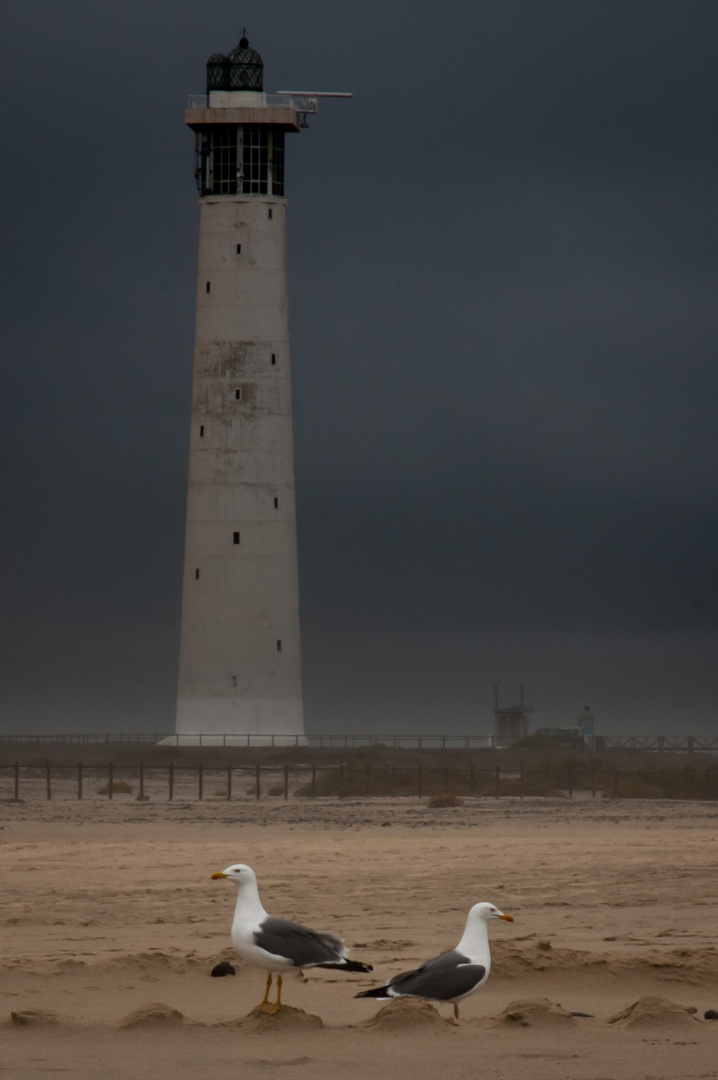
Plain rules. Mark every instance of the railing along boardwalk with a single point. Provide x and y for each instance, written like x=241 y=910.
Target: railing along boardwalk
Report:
x=669 y=743
x=32 y=782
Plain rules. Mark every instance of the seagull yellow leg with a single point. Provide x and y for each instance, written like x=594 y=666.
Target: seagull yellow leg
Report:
x=456 y=1012
x=275 y=1007
x=265 y=1000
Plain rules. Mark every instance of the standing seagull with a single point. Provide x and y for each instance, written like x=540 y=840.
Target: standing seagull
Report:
x=454 y=975
x=277 y=944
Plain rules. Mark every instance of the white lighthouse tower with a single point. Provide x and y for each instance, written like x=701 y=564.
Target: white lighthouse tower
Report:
x=240 y=671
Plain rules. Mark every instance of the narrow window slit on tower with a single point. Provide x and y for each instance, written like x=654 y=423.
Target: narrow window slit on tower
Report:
x=238 y=395
x=239 y=249
x=208 y=286
x=196 y=574
x=279 y=645
x=276 y=502
x=274 y=358
x=236 y=538
x=270 y=212
x=201 y=431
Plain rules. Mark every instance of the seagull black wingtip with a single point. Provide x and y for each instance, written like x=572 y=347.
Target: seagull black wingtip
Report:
x=348 y=965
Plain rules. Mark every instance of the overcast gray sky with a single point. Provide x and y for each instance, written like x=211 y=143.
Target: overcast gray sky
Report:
x=503 y=269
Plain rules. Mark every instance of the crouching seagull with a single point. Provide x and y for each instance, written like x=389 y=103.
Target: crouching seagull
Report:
x=454 y=975
x=277 y=944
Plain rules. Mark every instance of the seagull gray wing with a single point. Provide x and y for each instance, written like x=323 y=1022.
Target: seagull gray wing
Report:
x=445 y=977
x=304 y=947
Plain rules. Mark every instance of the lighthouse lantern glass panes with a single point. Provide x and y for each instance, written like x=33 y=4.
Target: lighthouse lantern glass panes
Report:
x=224 y=163
x=255 y=159
x=278 y=163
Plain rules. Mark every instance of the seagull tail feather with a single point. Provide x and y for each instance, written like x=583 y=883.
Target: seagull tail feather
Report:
x=377 y=992
x=347 y=965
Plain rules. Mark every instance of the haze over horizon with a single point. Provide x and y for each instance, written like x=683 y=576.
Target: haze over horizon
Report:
x=502 y=273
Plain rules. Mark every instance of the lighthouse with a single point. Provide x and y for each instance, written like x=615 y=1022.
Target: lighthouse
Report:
x=240 y=669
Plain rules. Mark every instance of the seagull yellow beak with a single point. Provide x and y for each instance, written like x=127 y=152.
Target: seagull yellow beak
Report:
x=220 y=874
x=508 y=918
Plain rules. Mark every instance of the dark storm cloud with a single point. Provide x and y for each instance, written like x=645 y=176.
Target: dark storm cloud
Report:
x=502 y=281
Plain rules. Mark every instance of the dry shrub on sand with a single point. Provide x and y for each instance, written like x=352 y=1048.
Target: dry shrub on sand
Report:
x=444 y=799
x=119 y=787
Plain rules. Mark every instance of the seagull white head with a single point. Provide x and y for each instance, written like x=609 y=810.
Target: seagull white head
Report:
x=239 y=873
x=485 y=912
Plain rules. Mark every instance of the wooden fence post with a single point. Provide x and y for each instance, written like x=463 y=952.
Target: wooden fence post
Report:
x=368 y=780
x=446 y=777
x=110 y=780
x=421 y=783
x=79 y=779
x=471 y=780
x=142 y=781
x=570 y=780
x=286 y=781
x=48 y=781
x=341 y=781
x=497 y=790
x=200 y=780
x=258 y=789
x=171 y=779
x=17 y=781
x=229 y=782
x=314 y=780
x=521 y=782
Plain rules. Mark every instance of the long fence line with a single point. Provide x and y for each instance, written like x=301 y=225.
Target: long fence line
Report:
x=674 y=743
x=341 y=781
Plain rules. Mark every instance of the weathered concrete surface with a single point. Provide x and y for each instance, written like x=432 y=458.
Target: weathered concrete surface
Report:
x=241 y=599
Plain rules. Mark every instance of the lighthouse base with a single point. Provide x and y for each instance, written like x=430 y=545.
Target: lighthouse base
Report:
x=239 y=722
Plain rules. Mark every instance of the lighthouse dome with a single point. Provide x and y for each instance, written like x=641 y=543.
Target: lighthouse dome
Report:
x=241 y=70
x=245 y=68
x=217 y=72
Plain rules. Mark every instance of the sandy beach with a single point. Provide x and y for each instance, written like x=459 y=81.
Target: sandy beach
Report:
x=111 y=926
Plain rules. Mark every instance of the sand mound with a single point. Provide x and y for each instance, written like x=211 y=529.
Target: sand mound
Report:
x=694 y=966
x=402 y=1014
x=40 y=1017
x=654 y=1012
x=153 y=1014
x=286 y=1018
x=535 y=1012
